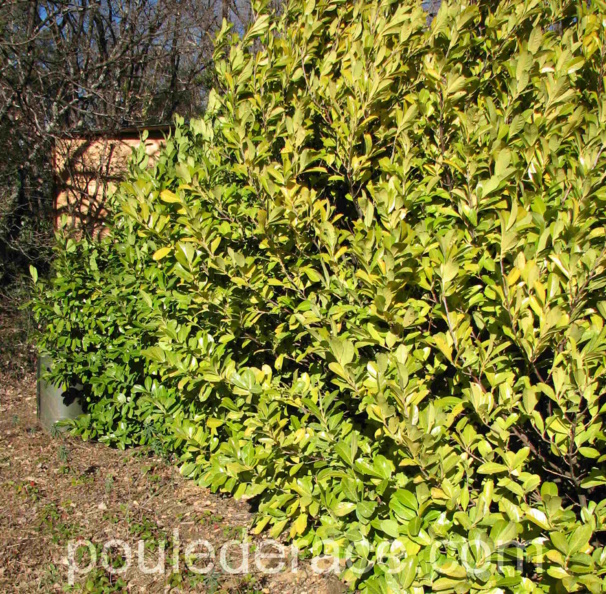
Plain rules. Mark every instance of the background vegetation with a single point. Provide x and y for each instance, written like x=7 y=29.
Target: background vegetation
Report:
x=69 y=69
x=366 y=289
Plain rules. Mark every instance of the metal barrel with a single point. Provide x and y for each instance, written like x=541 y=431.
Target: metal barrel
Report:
x=55 y=403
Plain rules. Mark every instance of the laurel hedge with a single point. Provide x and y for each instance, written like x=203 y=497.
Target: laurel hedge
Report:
x=366 y=289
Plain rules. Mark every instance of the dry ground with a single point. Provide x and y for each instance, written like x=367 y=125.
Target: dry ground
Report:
x=54 y=490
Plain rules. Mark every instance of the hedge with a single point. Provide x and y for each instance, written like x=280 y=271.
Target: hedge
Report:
x=366 y=289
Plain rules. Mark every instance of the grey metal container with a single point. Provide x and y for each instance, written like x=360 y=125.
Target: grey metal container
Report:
x=54 y=402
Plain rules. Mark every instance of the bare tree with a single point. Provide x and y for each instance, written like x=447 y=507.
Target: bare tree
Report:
x=72 y=66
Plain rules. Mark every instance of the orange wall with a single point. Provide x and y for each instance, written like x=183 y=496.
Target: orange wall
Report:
x=86 y=172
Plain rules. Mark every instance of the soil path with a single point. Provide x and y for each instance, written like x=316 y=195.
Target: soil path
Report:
x=57 y=490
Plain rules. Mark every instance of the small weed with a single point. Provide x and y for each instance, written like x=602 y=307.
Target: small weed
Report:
x=249 y=584
x=153 y=477
x=26 y=489
x=52 y=576
x=156 y=446
x=210 y=582
x=109 y=483
x=208 y=517
x=111 y=518
x=234 y=531
x=148 y=531
x=51 y=520
x=63 y=454
x=99 y=581
x=83 y=479
x=214 y=582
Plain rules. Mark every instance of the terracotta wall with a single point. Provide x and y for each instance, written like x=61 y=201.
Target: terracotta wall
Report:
x=87 y=171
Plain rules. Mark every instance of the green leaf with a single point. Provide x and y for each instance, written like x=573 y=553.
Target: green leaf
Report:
x=503 y=532
x=408 y=572
x=155 y=353
x=580 y=538
x=300 y=524
x=559 y=541
x=343 y=508
x=162 y=253
x=452 y=569
x=383 y=467
x=538 y=517
x=259 y=27
x=534 y=41
x=365 y=510
x=188 y=251
x=169 y=197
x=492 y=468
x=344 y=452
x=343 y=350
x=390 y=527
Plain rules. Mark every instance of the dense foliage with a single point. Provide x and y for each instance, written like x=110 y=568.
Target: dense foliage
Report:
x=367 y=289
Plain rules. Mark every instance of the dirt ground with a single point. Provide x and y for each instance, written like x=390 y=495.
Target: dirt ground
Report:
x=57 y=490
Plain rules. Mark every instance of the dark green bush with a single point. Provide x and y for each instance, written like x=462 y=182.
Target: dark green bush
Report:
x=367 y=289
